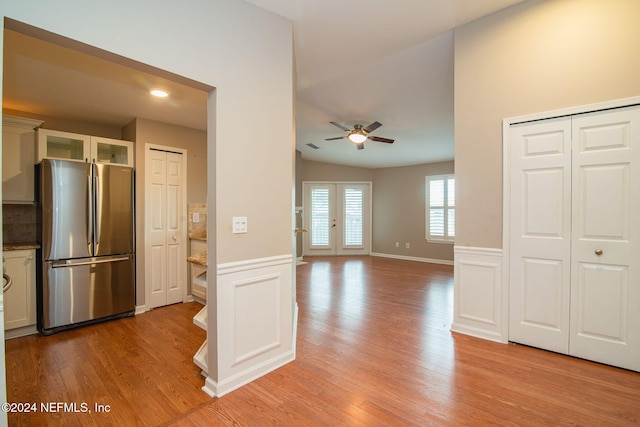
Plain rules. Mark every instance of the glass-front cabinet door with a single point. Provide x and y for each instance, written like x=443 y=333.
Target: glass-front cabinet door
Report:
x=53 y=144
x=114 y=151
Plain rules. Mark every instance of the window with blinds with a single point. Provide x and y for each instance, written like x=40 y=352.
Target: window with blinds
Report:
x=441 y=208
x=353 y=215
x=320 y=217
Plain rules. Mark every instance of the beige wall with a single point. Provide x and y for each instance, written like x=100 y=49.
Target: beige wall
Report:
x=320 y=171
x=533 y=57
x=142 y=132
x=192 y=140
x=399 y=212
x=74 y=126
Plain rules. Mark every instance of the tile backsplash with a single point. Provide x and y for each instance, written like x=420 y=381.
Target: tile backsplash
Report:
x=200 y=209
x=19 y=223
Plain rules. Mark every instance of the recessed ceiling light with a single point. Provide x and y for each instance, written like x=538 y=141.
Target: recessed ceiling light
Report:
x=159 y=93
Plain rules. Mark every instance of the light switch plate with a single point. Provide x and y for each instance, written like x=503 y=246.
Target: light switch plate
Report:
x=196 y=217
x=239 y=224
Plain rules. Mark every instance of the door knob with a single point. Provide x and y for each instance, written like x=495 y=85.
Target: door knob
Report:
x=174 y=238
x=598 y=252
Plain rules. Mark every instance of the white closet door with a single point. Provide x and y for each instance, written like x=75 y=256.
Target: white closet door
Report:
x=605 y=289
x=540 y=234
x=166 y=243
x=156 y=248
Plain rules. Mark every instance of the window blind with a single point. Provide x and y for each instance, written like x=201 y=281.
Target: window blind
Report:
x=353 y=214
x=320 y=217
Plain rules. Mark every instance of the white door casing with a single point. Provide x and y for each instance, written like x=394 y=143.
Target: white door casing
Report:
x=574 y=243
x=337 y=217
x=165 y=207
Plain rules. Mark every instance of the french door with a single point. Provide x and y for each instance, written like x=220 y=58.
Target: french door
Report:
x=337 y=217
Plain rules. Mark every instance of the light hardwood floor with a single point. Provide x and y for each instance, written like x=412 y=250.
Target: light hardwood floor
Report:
x=374 y=348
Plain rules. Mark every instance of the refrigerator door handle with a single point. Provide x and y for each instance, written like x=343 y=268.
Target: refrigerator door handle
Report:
x=89 y=216
x=76 y=264
x=98 y=203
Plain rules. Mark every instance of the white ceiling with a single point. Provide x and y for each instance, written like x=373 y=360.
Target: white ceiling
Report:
x=357 y=62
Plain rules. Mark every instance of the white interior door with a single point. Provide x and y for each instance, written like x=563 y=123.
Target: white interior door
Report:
x=337 y=218
x=165 y=207
x=575 y=236
x=540 y=238
x=605 y=282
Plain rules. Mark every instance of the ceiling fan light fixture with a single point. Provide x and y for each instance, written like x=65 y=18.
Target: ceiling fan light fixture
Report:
x=357 y=136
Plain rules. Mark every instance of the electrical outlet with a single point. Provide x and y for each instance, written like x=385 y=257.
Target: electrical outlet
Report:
x=196 y=217
x=407 y=245
x=397 y=244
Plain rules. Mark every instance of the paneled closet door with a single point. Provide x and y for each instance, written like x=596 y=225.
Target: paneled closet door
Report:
x=165 y=249
x=575 y=236
x=540 y=234
x=605 y=281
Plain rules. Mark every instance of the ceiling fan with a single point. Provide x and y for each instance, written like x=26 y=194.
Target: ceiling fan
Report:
x=358 y=135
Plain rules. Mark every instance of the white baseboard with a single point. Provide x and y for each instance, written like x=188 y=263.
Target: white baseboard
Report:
x=141 y=309
x=412 y=258
x=20 y=332
x=219 y=389
x=480 y=306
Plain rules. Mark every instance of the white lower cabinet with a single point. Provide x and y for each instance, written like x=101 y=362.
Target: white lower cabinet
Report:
x=20 y=298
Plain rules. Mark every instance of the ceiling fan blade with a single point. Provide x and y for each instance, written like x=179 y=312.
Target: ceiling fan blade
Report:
x=373 y=126
x=380 y=139
x=360 y=146
x=334 y=139
x=340 y=126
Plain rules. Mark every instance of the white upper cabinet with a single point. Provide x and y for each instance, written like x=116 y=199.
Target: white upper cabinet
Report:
x=53 y=144
x=18 y=157
x=105 y=150
x=83 y=148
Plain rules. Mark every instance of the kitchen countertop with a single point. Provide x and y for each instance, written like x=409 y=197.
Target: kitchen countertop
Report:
x=198 y=235
x=18 y=246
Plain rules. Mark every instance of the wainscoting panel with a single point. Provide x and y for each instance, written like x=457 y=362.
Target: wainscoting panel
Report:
x=256 y=316
x=479 y=295
x=254 y=328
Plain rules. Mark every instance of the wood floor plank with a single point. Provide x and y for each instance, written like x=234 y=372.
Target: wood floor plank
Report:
x=141 y=367
x=374 y=347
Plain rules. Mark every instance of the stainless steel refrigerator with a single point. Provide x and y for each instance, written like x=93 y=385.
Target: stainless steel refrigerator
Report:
x=87 y=239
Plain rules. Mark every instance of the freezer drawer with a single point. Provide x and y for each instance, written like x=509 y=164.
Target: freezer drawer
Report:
x=82 y=290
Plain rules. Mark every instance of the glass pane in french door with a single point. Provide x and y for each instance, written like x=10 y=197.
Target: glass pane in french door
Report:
x=353 y=217
x=320 y=217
